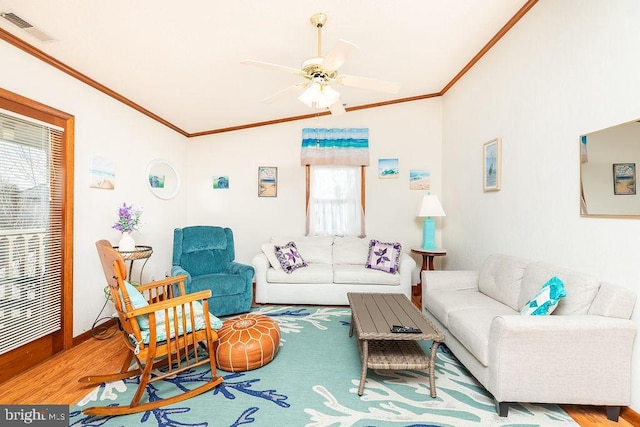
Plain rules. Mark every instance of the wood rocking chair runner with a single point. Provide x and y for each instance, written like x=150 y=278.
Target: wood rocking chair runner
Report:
x=179 y=334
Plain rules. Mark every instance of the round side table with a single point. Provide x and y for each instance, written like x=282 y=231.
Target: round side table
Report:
x=140 y=252
x=427 y=263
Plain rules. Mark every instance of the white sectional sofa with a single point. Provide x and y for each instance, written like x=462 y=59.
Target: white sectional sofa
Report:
x=579 y=354
x=335 y=266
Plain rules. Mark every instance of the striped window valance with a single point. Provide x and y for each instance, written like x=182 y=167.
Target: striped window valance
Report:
x=344 y=147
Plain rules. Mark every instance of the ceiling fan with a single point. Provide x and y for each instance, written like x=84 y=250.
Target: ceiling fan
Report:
x=318 y=72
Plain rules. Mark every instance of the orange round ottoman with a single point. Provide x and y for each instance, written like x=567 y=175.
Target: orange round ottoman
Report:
x=246 y=342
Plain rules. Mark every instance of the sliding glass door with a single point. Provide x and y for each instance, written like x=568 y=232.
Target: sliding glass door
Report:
x=33 y=234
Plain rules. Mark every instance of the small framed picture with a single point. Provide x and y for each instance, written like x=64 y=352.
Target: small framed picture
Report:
x=388 y=168
x=267 y=181
x=491 y=165
x=419 y=179
x=624 y=178
x=221 y=182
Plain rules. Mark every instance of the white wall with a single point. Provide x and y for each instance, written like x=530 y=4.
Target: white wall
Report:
x=410 y=132
x=110 y=129
x=567 y=68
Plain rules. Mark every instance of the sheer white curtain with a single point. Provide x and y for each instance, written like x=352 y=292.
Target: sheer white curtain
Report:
x=334 y=201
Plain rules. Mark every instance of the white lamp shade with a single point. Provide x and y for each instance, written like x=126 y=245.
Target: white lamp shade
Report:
x=310 y=94
x=319 y=95
x=431 y=206
x=329 y=96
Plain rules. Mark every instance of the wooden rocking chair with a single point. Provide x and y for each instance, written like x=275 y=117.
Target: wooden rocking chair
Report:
x=162 y=327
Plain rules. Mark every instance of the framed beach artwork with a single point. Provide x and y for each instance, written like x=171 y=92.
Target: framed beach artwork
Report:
x=388 y=168
x=491 y=166
x=102 y=173
x=221 y=182
x=419 y=179
x=267 y=181
x=624 y=178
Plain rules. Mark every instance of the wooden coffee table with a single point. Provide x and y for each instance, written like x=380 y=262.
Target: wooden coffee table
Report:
x=372 y=315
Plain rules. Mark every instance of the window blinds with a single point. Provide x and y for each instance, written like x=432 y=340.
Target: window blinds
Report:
x=30 y=230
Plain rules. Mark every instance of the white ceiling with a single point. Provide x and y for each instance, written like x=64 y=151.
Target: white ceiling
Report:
x=181 y=60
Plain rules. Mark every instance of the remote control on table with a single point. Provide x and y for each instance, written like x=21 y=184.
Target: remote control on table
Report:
x=399 y=329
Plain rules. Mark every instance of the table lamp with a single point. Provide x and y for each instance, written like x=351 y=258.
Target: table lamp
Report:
x=430 y=207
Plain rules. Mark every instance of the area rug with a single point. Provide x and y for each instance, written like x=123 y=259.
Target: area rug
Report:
x=313 y=381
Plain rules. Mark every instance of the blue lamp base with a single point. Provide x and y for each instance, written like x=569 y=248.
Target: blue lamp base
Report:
x=429 y=233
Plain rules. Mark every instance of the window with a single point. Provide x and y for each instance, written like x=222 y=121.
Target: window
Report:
x=335 y=200
x=36 y=235
x=31 y=281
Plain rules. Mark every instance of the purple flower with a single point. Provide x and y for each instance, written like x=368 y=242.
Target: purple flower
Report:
x=128 y=218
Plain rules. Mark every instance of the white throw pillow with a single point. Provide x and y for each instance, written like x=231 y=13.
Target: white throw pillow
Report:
x=269 y=250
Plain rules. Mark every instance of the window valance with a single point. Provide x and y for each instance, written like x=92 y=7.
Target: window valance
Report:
x=343 y=147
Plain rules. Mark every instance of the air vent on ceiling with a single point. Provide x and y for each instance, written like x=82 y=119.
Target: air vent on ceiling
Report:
x=26 y=26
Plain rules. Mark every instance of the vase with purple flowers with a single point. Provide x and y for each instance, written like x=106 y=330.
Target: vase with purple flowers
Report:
x=128 y=221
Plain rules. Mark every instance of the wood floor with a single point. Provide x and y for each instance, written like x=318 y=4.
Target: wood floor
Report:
x=55 y=381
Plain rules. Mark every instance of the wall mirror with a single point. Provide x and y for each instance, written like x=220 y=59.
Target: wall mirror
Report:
x=163 y=179
x=608 y=162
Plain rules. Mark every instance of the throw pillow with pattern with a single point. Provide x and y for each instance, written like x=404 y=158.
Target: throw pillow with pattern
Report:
x=384 y=256
x=289 y=257
x=546 y=300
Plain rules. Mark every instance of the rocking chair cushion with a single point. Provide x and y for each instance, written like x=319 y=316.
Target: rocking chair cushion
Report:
x=161 y=329
x=137 y=301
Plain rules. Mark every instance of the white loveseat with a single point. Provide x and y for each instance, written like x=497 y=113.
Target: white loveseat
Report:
x=336 y=266
x=580 y=354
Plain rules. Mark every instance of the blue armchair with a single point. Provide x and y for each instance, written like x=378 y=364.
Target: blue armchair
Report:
x=205 y=254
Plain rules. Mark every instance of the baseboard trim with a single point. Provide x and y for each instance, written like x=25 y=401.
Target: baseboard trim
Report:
x=89 y=334
x=630 y=416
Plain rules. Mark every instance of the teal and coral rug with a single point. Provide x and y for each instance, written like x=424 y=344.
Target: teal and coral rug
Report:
x=313 y=381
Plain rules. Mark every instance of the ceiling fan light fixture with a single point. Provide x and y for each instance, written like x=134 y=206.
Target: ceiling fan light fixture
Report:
x=328 y=97
x=310 y=95
x=320 y=70
x=319 y=96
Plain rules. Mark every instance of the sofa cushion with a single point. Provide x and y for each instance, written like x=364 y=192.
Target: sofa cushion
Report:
x=350 y=250
x=225 y=284
x=581 y=288
x=314 y=249
x=384 y=256
x=442 y=302
x=313 y=273
x=357 y=274
x=501 y=278
x=289 y=257
x=205 y=262
x=546 y=300
x=613 y=301
x=472 y=326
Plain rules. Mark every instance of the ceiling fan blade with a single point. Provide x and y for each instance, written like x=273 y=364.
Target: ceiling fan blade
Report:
x=338 y=55
x=283 y=93
x=367 y=83
x=337 y=108
x=272 y=66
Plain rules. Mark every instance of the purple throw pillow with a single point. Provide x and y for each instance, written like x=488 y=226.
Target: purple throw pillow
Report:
x=384 y=256
x=289 y=257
